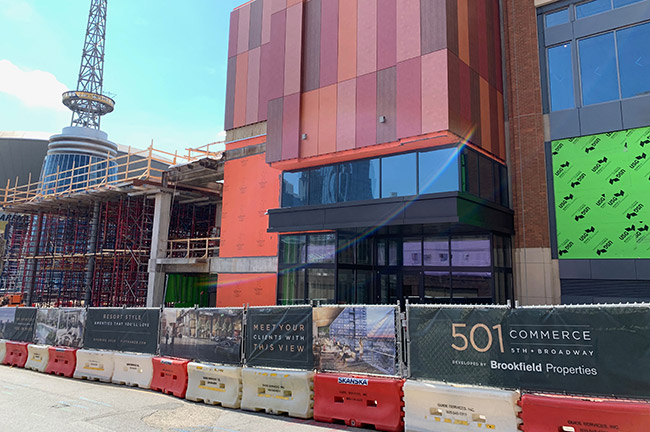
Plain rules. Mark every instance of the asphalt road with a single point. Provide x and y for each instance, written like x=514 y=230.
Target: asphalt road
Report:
x=31 y=401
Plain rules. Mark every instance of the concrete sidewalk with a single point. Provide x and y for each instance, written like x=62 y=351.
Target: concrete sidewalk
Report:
x=31 y=401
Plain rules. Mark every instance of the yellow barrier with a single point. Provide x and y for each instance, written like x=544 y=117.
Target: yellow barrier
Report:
x=132 y=369
x=214 y=385
x=94 y=365
x=278 y=392
x=37 y=357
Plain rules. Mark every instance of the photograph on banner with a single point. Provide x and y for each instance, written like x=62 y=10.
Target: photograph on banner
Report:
x=7 y=316
x=174 y=322
x=355 y=339
x=128 y=330
x=280 y=337
x=582 y=350
x=70 y=328
x=47 y=323
x=24 y=324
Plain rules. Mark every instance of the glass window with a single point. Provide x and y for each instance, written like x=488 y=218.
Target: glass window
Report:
x=411 y=287
x=346 y=248
x=621 y=3
x=471 y=251
x=438 y=171
x=504 y=185
x=471 y=172
x=388 y=289
x=364 y=287
x=436 y=251
x=321 y=285
x=322 y=185
x=346 y=288
x=364 y=251
x=412 y=249
x=398 y=176
x=486 y=175
x=291 y=287
x=472 y=284
x=593 y=7
x=292 y=249
x=557 y=18
x=436 y=286
x=381 y=252
x=634 y=60
x=598 y=69
x=321 y=248
x=560 y=72
x=294 y=188
x=359 y=180
x=394 y=253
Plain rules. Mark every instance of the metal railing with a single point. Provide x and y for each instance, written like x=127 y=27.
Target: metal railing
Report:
x=193 y=248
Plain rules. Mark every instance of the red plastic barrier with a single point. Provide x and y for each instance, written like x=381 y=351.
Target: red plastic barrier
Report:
x=359 y=401
x=573 y=414
x=16 y=354
x=62 y=361
x=170 y=376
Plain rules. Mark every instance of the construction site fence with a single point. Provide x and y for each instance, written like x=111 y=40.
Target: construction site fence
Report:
x=576 y=350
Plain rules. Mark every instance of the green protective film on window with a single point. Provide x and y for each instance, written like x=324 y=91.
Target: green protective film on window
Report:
x=601 y=187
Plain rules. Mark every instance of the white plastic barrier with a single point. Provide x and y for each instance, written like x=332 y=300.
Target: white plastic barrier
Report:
x=278 y=392
x=3 y=349
x=214 y=385
x=37 y=357
x=442 y=408
x=94 y=365
x=133 y=369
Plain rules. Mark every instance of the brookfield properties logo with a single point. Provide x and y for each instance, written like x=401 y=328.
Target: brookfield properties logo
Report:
x=353 y=381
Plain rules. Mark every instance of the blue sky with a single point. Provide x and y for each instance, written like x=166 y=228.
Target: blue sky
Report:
x=165 y=64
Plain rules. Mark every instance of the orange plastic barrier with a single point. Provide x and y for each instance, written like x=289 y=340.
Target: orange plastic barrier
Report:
x=543 y=413
x=359 y=401
x=62 y=361
x=16 y=354
x=170 y=376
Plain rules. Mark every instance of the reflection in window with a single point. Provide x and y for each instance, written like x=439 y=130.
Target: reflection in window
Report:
x=388 y=288
x=472 y=284
x=292 y=249
x=471 y=172
x=561 y=77
x=621 y=3
x=412 y=252
x=598 y=69
x=321 y=285
x=634 y=60
x=436 y=286
x=322 y=185
x=486 y=176
x=592 y=7
x=346 y=248
x=294 y=188
x=359 y=180
x=364 y=287
x=436 y=251
x=557 y=18
x=291 y=287
x=438 y=171
x=346 y=288
x=411 y=287
x=321 y=248
x=398 y=176
x=470 y=252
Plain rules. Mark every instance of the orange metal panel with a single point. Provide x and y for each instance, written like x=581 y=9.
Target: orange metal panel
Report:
x=327 y=120
x=240 y=90
x=463 y=31
x=346 y=115
x=486 y=141
x=367 y=37
x=347 y=40
x=408 y=29
x=253 y=86
x=435 y=92
x=293 y=50
x=309 y=123
x=236 y=290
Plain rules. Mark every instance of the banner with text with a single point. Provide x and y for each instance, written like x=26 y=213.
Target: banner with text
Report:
x=212 y=335
x=60 y=326
x=24 y=324
x=279 y=337
x=130 y=330
x=356 y=339
x=583 y=350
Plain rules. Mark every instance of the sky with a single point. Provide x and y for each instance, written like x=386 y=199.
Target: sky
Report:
x=165 y=66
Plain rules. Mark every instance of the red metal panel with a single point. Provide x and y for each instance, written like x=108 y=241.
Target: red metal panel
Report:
x=435 y=92
x=455 y=123
x=311 y=44
x=274 y=130
x=244 y=28
x=327 y=120
x=62 y=361
x=346 y=121
x=433 y=25
x=293 y=2
x=452 y=26
x=367 y=37
x=497 y=45
x=475 y=105
x=486 y=122
x=255 y=31
x=482 y=40
x=234 y=33
x=329 y=42
x=408 y=29
x=290 y=126
x=489 y=23
x=463 y=31
x=266 y=21
x=239 y=118
x=272 y=64
x=501 y=126
x=309 y=105
x=494 y=126
x=230 y=94
x=563 y=413
x=359 y=401
x=347 y=63
x=465 y=93
x=16 y=354
x=366 y=128
x=473 y=30
x=170 y=376
x=293 y=50
x=278 y=5
x=253 y=86
x=386 y=105
x=409 y=93
x=386 y=33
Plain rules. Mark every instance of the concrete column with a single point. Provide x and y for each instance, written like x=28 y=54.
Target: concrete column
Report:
x=91 y=250
x=159 y=236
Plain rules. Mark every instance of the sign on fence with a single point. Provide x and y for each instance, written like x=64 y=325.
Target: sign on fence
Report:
x=60 y=327
x=279 y=337
x=24 y=325
x=211 y=335
x=131 y=330
x=355 y=339
x=584 y=350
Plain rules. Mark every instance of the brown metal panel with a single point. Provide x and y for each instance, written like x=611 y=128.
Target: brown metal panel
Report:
x=329 y=42
x=272 y=63
x=475 y=104
x=367 y=37
x=274 y=130
x=366 y=129
x=497 y=44
x=244 y=28
x=255 y=31
x=452 y=26
x=482 y=30
x=408 y=29
x=463 y=31
x=346 y=118
x=240 y=90
x=454 y=93
x=494 y=119
x=234 y=33
x=253 y=87
x=408 y=98
x=293 y=49
x=386 y=105
x=486 y=122
x=491 y=67
x=291 y=126
x=473 y=31
x=433 y=24
x=266 y=21
x=311 y=42
x=230 y=93
x=386 y=33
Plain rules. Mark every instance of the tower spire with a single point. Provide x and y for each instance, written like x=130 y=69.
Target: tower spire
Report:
x=88 y=103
